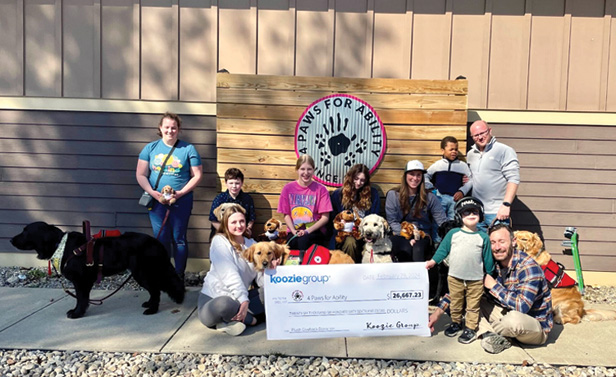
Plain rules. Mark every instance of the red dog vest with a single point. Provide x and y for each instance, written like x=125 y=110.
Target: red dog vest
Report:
x=316 y=254
x=556 y=276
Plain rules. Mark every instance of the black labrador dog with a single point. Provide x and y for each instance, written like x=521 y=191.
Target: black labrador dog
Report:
x=144 y=256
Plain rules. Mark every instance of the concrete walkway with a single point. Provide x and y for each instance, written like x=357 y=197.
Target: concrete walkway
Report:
x=35 y=319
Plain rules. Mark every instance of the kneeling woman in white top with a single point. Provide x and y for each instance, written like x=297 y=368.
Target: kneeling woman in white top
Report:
x=225 y=301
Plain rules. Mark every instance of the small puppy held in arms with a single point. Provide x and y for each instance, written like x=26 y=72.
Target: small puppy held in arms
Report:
x=273 y=232
x=143 y=255
x=168 y=195
x=410 y=231
x=375 y=230
x=346 y=224
x=567 y=303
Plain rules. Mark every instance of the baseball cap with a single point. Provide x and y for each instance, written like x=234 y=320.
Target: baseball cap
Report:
x=414 y=165
x=469 y=202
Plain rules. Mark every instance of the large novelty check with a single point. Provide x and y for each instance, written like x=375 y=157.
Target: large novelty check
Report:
x=346 y=300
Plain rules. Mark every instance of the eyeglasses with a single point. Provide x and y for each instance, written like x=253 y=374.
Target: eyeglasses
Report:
x=484 y=133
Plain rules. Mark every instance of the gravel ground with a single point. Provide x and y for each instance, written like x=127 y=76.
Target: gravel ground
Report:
x=90 y=364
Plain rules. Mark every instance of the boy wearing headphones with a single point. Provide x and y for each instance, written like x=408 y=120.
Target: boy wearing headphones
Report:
x=470 y=258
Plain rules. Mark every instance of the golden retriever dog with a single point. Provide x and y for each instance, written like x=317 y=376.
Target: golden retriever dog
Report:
x=377 y=249
x=567 y=303
x=273 y=232
x=262 y=254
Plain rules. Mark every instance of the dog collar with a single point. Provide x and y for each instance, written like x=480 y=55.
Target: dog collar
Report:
x=56 y=258
x=272 y=235
x=382 y=252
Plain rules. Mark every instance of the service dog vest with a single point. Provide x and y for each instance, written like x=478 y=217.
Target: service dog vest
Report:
x=556 y=276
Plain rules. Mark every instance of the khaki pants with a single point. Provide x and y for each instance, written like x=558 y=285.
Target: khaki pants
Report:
x=510 y=324
x=469 y=291
x=350 y=247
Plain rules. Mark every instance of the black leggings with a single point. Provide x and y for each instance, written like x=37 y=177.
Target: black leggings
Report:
x=402 y=251
x=307 y=240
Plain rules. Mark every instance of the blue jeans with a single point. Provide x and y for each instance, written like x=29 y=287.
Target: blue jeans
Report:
x=448 y=204
x=174 y=232
x=449 y=207
x=488 y=218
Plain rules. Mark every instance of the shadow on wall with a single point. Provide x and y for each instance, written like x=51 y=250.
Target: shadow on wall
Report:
x=527 y=219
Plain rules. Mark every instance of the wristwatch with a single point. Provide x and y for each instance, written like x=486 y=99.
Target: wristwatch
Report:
x=507 y=204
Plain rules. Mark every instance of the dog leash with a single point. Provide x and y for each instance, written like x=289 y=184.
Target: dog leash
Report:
x=163 y=224
x=291 y=239
x=86 y=228
x=287 y=244
x=90 y=301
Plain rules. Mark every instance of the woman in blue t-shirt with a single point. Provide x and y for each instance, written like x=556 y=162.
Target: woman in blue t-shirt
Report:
x=182 y=172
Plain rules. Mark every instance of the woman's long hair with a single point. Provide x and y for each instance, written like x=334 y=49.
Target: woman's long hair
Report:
x=352 y=197
x=224 y=224
x=421 y=200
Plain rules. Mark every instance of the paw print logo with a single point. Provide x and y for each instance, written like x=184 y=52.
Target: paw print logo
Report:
x=324 y=158
x=361 y=146
x=349 y=159
x=320 y=140
x=339 y=131
x=297 y=295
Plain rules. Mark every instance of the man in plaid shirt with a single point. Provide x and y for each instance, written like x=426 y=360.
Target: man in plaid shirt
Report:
x=517 y=304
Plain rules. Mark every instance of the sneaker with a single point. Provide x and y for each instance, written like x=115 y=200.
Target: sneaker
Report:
x=494 y=343
x=467 y=336
x=453 y=329
x=234 y=328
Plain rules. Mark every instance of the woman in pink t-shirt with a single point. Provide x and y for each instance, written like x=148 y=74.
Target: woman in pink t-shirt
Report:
x=305 y=205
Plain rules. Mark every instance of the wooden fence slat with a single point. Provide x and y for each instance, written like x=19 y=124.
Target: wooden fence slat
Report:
x=564 y=161
x=555 y=234
x=287 y=173
x=341 y=84
x=574 y=204
x=568 y=190
x=231 y=141
x=304 y=98
x=582 y=147
x=388 y=116
x=566 y=175
x=564 y=219
x=274 y=187
x=599 y=263
x=287 y=128
x=556 y=131
x=47 y=132
x=25 y=190
x=238 y=158
x=85 y=148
